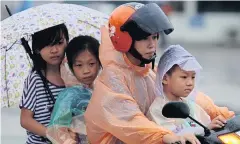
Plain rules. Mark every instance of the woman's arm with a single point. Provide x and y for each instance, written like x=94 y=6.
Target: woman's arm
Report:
x=213 y=110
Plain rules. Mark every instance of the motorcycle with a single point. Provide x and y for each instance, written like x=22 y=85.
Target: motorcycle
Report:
x=229 y=134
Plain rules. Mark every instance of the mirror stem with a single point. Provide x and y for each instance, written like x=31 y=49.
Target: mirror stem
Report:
x=206 y=130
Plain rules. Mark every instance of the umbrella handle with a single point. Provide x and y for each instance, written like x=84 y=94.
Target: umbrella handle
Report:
x=27 y=48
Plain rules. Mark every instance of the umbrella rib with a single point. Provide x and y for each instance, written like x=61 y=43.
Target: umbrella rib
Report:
x=11 y=46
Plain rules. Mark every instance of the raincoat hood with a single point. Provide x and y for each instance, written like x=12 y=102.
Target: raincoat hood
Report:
x=175 y=55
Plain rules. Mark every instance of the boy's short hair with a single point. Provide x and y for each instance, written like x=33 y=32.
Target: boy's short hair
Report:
x=171 y=70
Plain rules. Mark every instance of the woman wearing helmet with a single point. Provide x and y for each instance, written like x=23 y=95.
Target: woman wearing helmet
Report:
x=125 y=89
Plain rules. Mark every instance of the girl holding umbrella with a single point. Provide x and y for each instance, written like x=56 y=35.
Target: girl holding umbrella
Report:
x=36 y=104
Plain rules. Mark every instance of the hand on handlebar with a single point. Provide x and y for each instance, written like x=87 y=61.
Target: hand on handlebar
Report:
x=217 y=122
x=183 y=139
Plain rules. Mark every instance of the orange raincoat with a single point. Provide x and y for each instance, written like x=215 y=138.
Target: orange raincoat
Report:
x=121 y=98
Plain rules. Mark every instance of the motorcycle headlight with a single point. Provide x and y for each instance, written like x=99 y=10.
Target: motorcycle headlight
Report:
x=230 y=138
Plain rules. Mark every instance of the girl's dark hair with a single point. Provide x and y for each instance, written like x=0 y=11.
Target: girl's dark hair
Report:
x=47 y=37
x=80 y=44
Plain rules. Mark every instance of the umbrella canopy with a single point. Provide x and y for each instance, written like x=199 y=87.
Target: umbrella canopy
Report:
x=15 y=64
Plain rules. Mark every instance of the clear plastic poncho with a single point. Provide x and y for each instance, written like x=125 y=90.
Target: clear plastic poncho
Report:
x=67 y=116
x=173 y=55
x=122 y=95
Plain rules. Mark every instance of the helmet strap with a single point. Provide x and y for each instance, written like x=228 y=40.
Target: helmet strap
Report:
x=138 y=56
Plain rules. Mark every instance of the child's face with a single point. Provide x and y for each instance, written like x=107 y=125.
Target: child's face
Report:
x=86 y=67
x=180 y=83
x=147 y=47
x=54 y=55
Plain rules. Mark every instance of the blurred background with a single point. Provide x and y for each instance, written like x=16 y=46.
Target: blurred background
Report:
x=210 y=30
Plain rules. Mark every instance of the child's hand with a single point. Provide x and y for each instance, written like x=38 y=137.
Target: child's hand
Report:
x=70 y=141
x=171 y=138
x=73 y=135
x=217 y=122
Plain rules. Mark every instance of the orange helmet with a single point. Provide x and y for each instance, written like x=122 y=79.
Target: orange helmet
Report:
x=149 y=18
